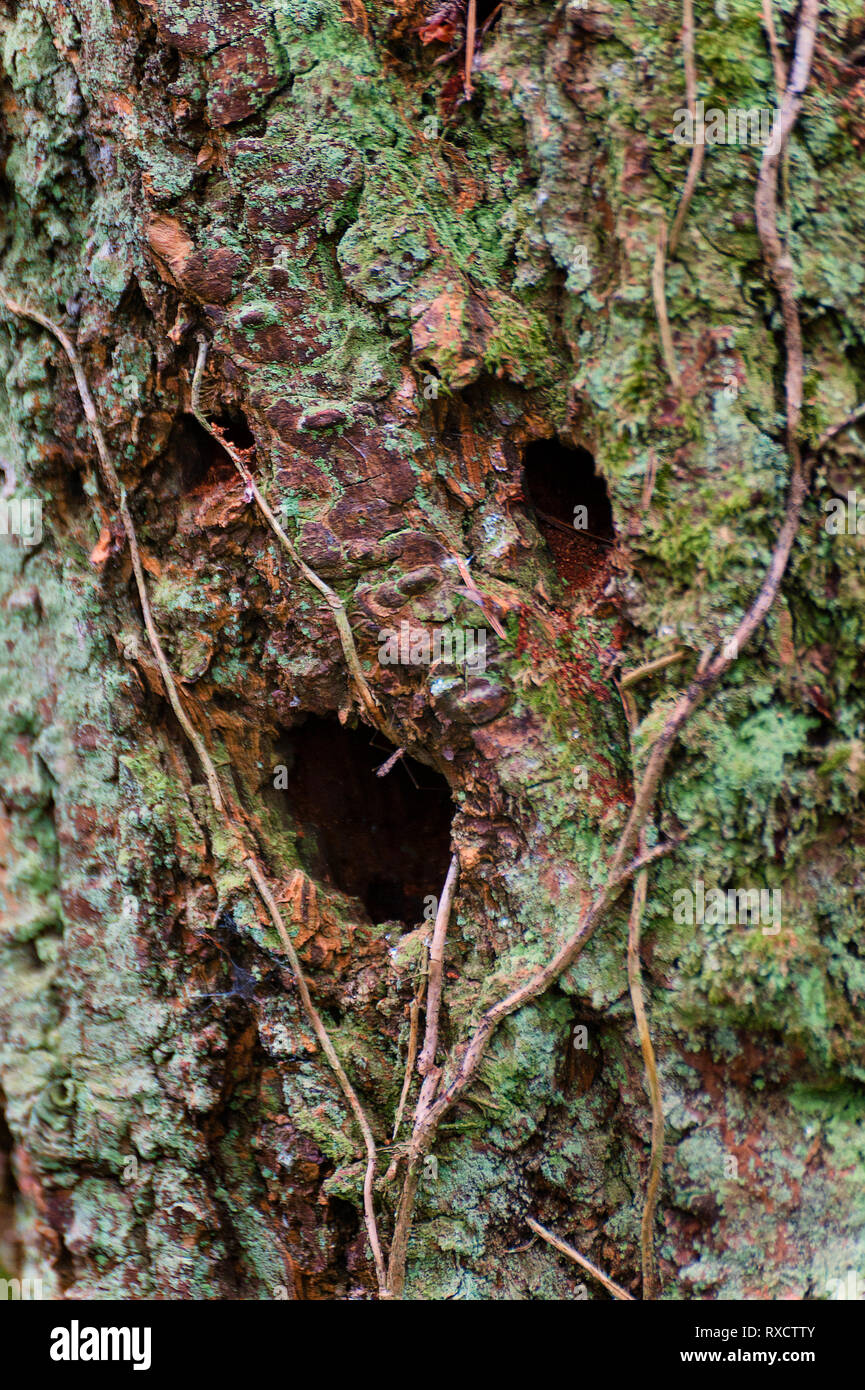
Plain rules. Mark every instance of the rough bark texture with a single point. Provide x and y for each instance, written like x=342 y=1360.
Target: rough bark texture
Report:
x=399 y=314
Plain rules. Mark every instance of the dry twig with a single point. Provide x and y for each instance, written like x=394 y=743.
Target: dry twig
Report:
x=411 y=1054
x=667 y=246
x=659 y=295
x=849 y=420
x=635 y=986
x=780 y=72
x=572 y=531
x=436 y=969
x=471 y=24
x=698 y=151
x=639 y=673
x=609 y=1284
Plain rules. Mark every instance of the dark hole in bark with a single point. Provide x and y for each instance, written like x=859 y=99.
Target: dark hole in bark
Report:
x=571 y=506
x=132 y=307
x=200 y=455
x=235 y=430
x=76 y=494
x=485 y=9
x=383 y=840
x=345 y=1217
x=558 y=480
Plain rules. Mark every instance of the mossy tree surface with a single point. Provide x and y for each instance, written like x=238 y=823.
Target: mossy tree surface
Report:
x=402 y=291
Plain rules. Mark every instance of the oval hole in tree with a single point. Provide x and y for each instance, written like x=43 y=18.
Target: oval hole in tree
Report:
x=383 y=840
x=571 y=508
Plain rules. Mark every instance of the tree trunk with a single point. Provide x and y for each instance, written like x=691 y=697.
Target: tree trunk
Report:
x=449 y=479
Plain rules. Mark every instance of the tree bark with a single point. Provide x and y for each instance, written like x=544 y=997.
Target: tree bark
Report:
x=455 y=469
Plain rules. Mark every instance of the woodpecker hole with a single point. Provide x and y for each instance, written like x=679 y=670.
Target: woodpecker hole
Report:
x=382 y=840
x=571 y=508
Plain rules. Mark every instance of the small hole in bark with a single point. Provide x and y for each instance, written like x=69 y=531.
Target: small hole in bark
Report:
x=572 y=509
x=558 y=480
x=76 y=493
x=199 y=454
x=235 y=430
x=383 y=840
